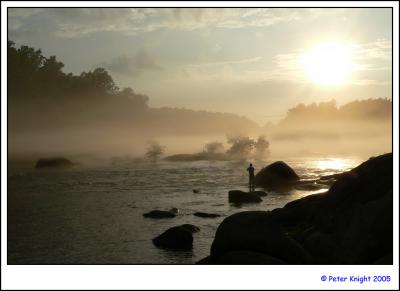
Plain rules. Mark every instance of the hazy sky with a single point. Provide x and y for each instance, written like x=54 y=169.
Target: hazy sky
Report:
x=254 y=62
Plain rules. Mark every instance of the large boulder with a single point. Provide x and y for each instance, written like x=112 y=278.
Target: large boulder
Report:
x=159 y=214
x=175 y=238
x=366 y=231
x=368 y=181
x=276 y=175
x=254 y=231
x=53 y=163
x=239 y=197
x=321 y=246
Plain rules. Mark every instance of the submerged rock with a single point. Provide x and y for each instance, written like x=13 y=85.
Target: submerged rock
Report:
x=53 y=163
x=237 y=196
x=276 y=175
x=206 y=215
x=159 y=214
x=175 y=238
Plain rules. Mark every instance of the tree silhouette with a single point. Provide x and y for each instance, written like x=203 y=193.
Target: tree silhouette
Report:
x=154 y=151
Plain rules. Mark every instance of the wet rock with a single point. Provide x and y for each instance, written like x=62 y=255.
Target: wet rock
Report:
x=276 y=175
x=53 y=163
x=206 y=215
x=159 y=214
x=237 y=196
x=175 y=238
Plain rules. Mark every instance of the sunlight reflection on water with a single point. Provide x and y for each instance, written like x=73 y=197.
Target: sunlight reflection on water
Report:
x=335 y=164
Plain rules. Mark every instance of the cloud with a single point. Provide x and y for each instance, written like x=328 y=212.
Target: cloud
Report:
x=379 y=49
x=231 y=62
x=223 y=70
x=369 y=60
x=134 y=65
x=77 y=22
x=367 y=57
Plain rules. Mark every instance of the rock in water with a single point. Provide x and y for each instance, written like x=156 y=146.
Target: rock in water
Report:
x=175 y=238
x=276 y=175
x=206 y=215
x=159 y=214
x=53 y=163
x=237 y=196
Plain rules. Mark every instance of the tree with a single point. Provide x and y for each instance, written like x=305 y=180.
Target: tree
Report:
x=241 y=147
x=98 y=81
x=154 y=151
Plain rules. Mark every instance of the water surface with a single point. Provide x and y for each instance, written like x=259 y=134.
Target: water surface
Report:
x=94 y=215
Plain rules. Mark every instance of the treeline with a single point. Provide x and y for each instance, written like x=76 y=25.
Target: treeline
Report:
x=375 y=110
x=325 y=120
x=41 y=96
x=32 y=75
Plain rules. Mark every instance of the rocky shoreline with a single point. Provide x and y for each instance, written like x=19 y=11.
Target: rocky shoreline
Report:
x=351 y=223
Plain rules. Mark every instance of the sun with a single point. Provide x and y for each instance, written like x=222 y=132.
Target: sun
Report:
x=328 y=64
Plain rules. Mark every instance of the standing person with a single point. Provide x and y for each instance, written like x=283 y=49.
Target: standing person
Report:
x=250 y=169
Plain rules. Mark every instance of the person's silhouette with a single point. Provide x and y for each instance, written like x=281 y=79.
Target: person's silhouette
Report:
x=250 y=169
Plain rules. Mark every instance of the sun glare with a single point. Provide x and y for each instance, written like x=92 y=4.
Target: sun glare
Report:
x=333 y=164
x=328 y=64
